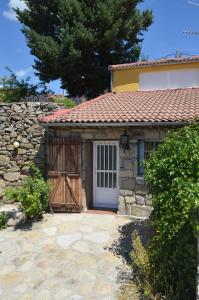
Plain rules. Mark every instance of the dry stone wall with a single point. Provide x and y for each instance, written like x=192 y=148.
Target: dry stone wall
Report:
x=19 y=123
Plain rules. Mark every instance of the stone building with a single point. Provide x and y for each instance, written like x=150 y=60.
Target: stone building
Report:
x=93 y=153
x=96 y=149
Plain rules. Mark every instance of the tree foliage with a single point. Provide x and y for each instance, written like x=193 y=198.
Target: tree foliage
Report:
x=173 y=176
x=75 y=40
x=13 y=89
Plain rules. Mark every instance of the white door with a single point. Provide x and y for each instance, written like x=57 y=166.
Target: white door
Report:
x=105 y=171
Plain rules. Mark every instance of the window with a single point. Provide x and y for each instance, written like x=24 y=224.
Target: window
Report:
x=169 y=79
x=145 y=148
x=106 y=166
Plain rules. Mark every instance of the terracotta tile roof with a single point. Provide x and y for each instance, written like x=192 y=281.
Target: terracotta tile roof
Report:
x=177 y=105
x=55 y=115
x=167 y=61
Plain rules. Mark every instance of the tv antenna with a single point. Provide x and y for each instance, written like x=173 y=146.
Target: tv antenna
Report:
x=191 y=32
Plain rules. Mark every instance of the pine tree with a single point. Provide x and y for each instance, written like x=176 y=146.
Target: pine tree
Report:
x=76 y=40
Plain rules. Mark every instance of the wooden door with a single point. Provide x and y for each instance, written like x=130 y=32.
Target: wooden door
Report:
x=64 y=175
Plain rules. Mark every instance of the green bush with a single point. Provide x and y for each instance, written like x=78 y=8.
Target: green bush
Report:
x=69 y=103
x=13 y=193
x=33 y=196
x=3 y=220
x=173 y=175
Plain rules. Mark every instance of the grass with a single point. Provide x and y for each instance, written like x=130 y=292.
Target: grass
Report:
x=129 y=292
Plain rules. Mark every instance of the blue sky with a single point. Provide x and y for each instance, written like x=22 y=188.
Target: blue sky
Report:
x=164 y=37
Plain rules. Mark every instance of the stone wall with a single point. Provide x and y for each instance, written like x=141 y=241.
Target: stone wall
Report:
x=133 y=195
x=19 y=122
x=134 y=198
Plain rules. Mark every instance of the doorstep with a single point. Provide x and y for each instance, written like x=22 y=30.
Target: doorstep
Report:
x=101 y=211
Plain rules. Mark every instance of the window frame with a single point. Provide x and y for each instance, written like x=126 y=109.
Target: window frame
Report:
x=170 y=79
x=141 y=154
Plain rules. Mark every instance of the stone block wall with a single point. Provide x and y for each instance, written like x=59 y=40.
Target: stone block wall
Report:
x=133 y=198
x=136 y=203
x=19 y=123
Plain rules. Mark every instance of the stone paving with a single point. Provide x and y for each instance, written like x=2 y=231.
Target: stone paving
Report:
x=64 y=256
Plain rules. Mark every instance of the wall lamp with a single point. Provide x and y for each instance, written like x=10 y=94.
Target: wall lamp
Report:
x=15 y=150
x=16 y=145
x=124 y=141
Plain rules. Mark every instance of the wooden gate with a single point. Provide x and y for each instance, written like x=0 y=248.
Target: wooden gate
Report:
x=64 y=174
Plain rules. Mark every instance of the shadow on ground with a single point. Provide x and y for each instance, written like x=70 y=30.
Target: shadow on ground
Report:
x=27 y=225
x=24 y=226
x=122 y=247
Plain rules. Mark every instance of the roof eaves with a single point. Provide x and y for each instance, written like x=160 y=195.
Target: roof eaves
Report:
x=114 y=124
x=152 y=64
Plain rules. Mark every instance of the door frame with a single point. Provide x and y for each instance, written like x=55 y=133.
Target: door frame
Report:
x=95 y=143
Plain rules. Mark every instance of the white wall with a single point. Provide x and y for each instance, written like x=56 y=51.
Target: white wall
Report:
x=169 y=79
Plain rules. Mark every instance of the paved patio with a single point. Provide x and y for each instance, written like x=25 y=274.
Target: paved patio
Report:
x=63 y=257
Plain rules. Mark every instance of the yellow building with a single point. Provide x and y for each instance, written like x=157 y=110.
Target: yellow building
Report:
x=153 y=75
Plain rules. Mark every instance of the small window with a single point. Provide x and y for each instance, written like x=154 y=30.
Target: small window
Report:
x=145 y=148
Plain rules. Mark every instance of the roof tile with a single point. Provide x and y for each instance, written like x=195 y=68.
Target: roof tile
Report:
x=174 y=105
x=165 y=61
x=55 y=115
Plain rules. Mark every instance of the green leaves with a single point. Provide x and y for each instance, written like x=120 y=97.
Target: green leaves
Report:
x=173 y=176
x=3 y=220
x=33 y=196
x=69 y=103
x=72 y=39
x=14 y=90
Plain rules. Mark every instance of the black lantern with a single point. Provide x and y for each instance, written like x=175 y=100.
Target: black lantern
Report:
x=124 y=141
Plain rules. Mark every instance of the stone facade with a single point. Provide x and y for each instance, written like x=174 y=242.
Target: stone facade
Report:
x=19 y=123
x=133 y=191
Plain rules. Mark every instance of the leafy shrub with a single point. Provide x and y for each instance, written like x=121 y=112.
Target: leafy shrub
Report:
x=33 y=196
x=37 y=184
x=3 y=220
x=173 y=175
x=69 y=103
x=13 y=193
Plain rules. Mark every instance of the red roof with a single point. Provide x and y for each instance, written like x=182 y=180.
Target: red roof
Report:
x=55 y=115
x=174 y=105
x=167 y=61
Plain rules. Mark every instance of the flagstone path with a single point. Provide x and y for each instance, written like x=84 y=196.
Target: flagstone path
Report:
x=63 y=257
